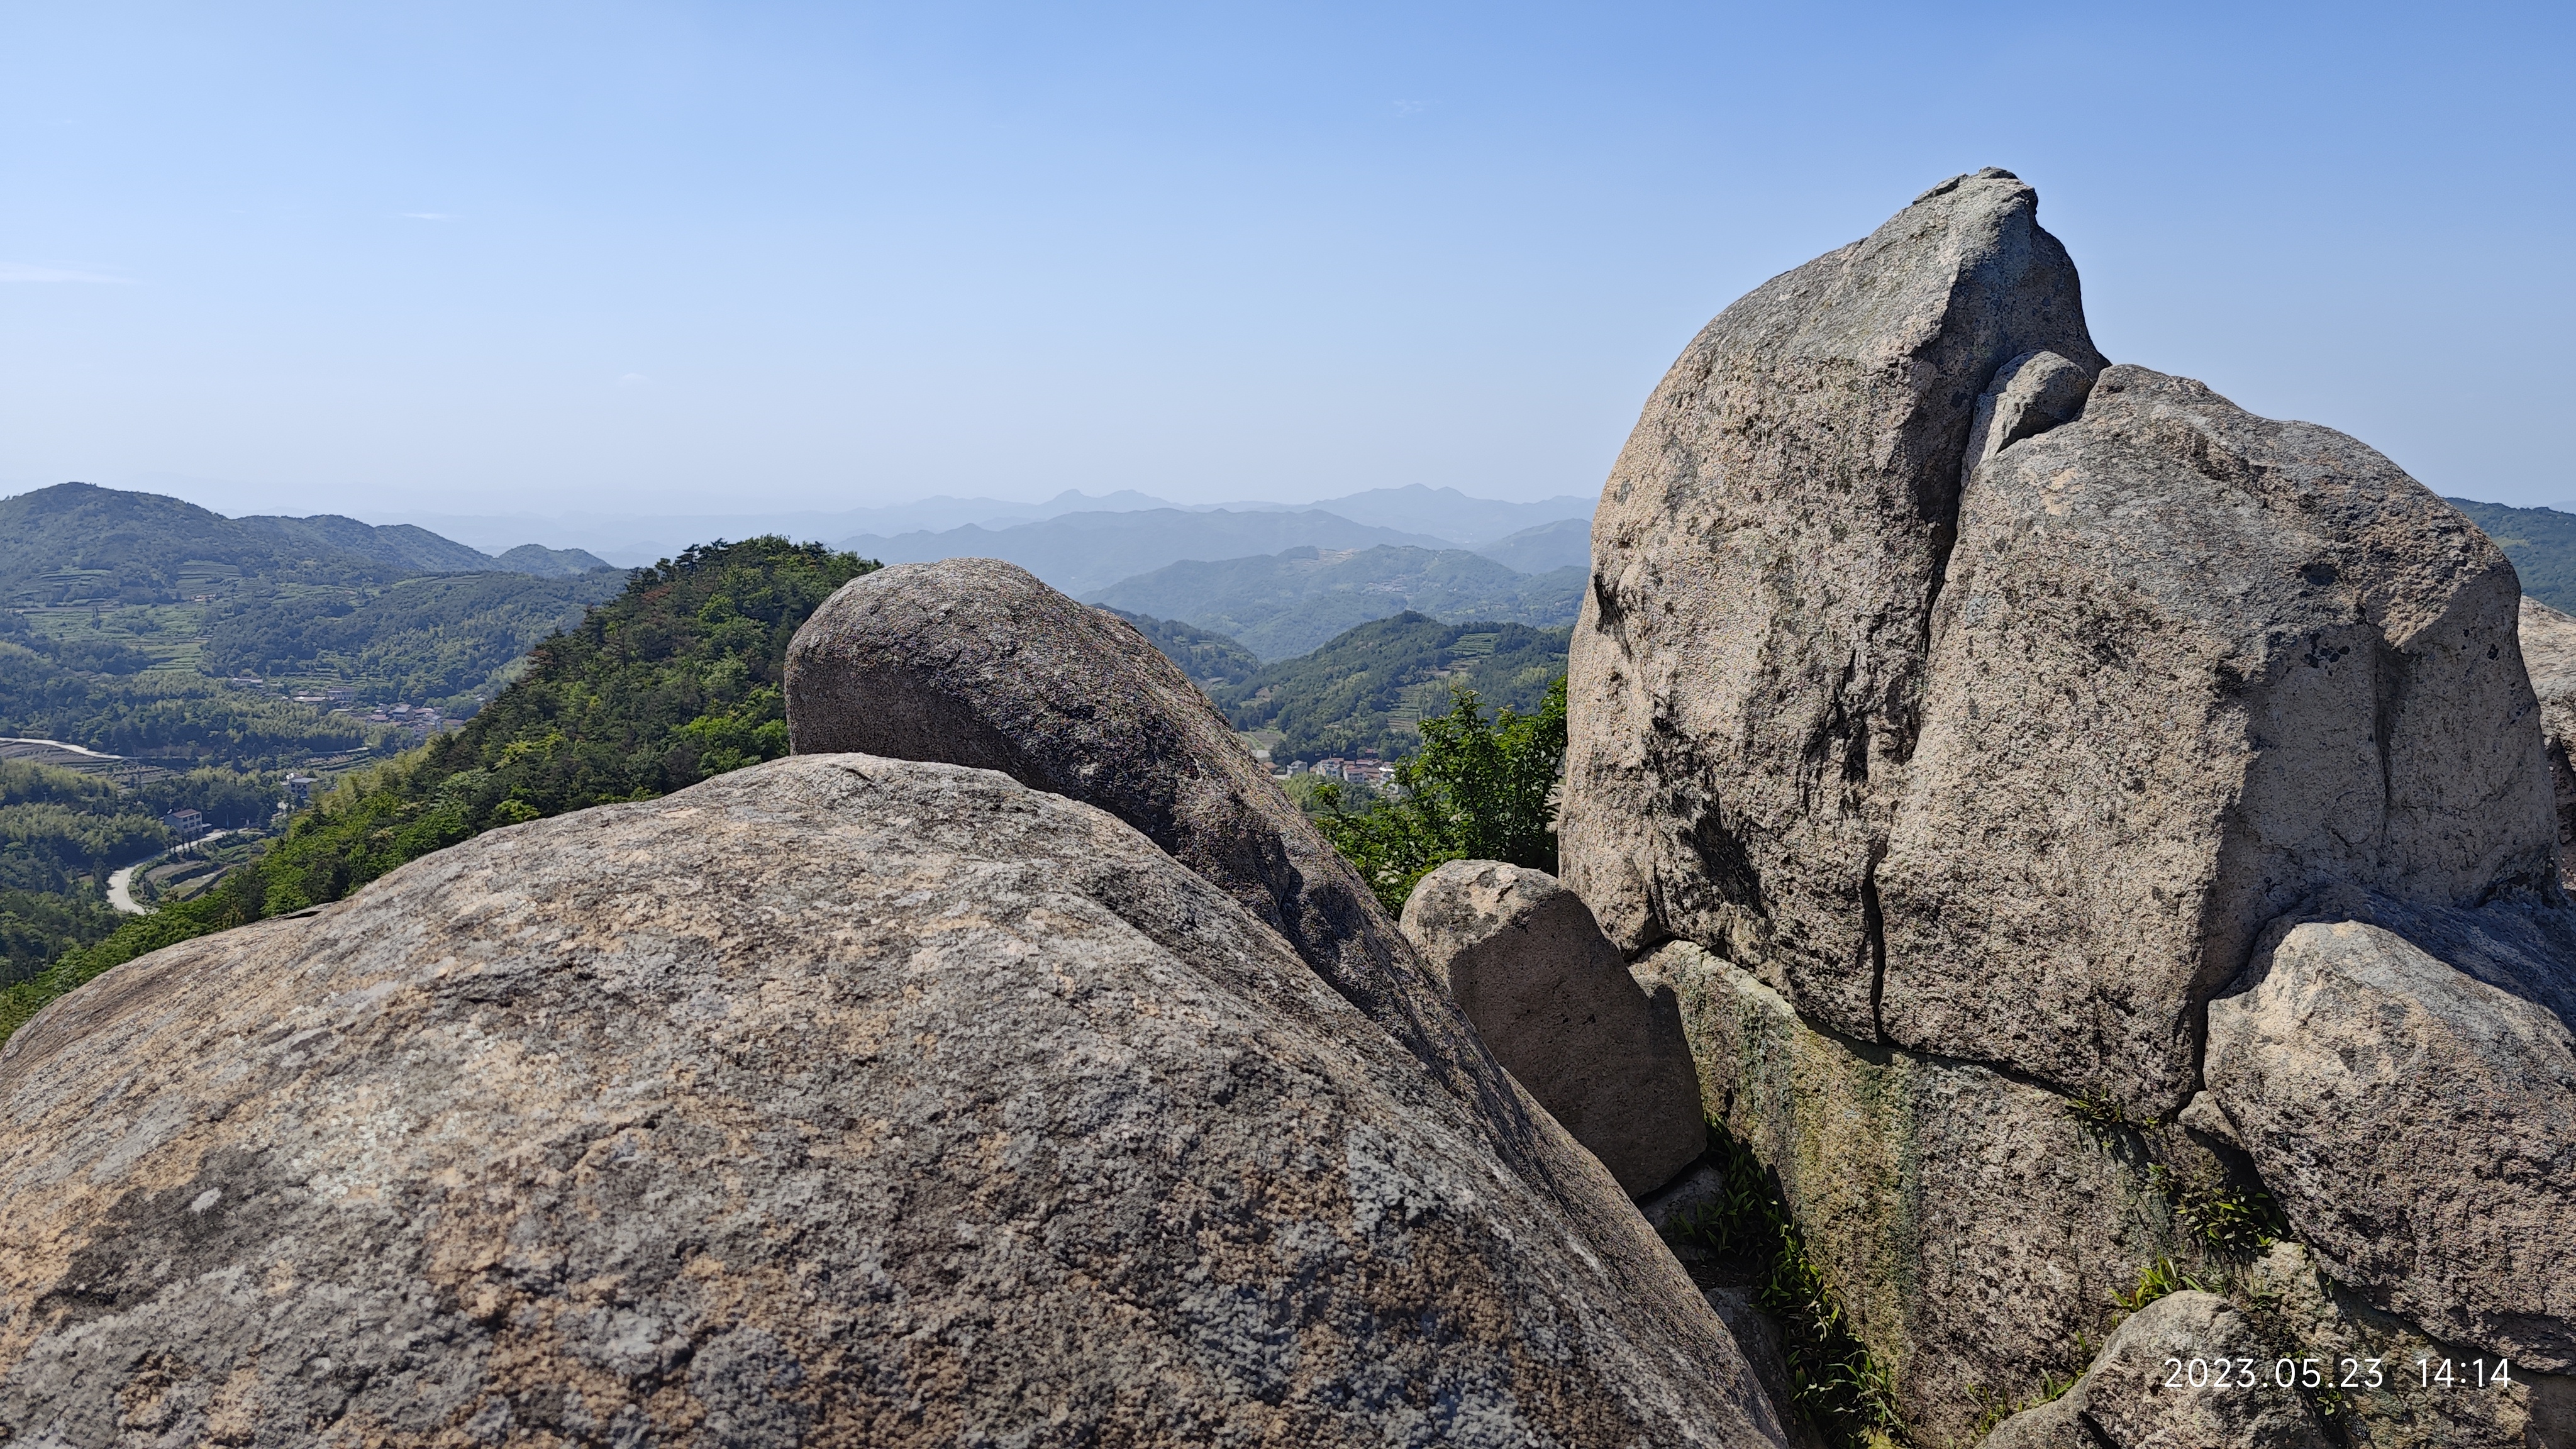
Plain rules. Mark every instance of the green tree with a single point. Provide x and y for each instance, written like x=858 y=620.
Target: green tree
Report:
x=1478 y=790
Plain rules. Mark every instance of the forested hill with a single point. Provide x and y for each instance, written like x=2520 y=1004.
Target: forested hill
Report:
x=680 y=677
x=75 y=543
x=2540 y=541
x=1367 y=689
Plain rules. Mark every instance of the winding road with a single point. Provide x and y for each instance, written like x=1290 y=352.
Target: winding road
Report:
x=120 y=885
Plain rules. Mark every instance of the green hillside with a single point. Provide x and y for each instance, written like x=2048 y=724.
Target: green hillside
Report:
x=448 y=639
x=1368 y=689
x=1210 y=659
x=82 y=695
x=2540 y=541
x=1285 y=604
x=549 y=563
x=77 y=544
x=680 y=677
x=402 y=545
x=1564 y=544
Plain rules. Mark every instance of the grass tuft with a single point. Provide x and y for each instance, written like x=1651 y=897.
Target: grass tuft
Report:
x=1836 y=1382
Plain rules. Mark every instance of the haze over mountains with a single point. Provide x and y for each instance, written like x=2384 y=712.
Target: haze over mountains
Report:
x=1446 y=514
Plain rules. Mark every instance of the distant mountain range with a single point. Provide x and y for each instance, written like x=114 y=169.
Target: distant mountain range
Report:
x=1288 y=603
x=1563 y=544
x=1083 y=552
x=1445 y=515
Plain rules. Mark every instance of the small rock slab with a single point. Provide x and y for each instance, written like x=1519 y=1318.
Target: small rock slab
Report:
x=2416 y=1122
x=2140 y=1394
x=1522 y=956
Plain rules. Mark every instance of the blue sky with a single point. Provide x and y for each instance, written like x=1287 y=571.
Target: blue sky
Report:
x=662 y=258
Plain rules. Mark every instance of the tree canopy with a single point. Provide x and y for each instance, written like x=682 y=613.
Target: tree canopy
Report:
x=1479 y=789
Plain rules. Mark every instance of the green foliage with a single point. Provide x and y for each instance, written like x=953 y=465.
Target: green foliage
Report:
x=62 y=831
x=678 y=678
x=163 y=714
x=38 y=926
x=2540 y=541
x=445 y=639
x=2155 y=1280
x=1209 y=658
x=1477 y=791
x=229 y=799
x=74 y=543
x=234 y=901
x=2235 y=1221
x=1366 y=690
x=2100 y=1112
x=1845 y=1391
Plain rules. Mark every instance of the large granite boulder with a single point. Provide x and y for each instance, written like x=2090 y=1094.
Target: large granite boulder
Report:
x=2189 y=666
x=975 y=662
x=1966 y=708
x=836 y=1101
x=2416 y=1121
x=2187 y=1371
x=2549 y=652
x=1746 y=677
x=1554 y=1002
x=1974 y=1229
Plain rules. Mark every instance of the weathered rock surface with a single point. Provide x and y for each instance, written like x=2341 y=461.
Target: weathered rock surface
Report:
x=2549 y=652
x=1700 y=1190
x=1746 y=678
x=1554 y=1002
x=2189 y=666
x=836 y=1101
x=2129 y=1398
x=2416 y=1122
x=2308 y=1316
x=975 y=662
x=1973 y=1228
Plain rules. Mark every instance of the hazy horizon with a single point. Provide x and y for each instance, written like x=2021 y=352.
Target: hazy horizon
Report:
x=684 y=260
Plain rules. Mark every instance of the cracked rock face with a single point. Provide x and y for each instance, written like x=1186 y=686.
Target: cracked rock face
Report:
x=836 y=1101
x=1746 y=677
x=2418 y=1123
x=1601 y=1049
x=2189 y=666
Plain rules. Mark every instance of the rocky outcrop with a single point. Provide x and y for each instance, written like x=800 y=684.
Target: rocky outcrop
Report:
x=1967 y=709
x=1746 y=678
x=1976 y=1230
x=836 y=1101
x=2141 y=1393
x=2417 y=1123
x=2549 y=652
x=975 y=662
x=2238 y=659
x=1555 y=1003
